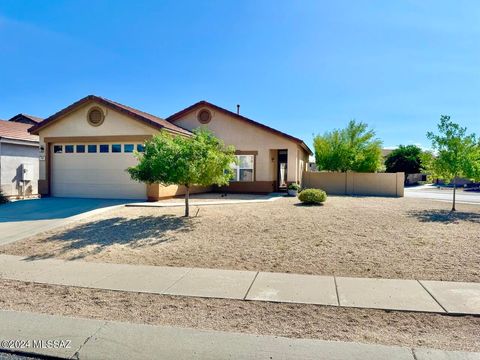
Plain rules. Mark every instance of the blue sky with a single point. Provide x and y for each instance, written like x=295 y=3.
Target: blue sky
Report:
x=303 y=67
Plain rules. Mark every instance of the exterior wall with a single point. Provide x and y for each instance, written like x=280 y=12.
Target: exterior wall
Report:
x=373 y=184
x=157 y=191
x=246 y=137
x=12 y=156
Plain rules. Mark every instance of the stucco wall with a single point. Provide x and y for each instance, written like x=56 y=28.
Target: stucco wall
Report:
x=12 y=156
x=248 y=137
x=373 y=184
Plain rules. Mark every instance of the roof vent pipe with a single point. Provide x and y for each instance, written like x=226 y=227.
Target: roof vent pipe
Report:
x=238 y=109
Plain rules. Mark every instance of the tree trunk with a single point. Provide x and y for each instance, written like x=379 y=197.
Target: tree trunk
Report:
x=187 y=197
x=454 y=192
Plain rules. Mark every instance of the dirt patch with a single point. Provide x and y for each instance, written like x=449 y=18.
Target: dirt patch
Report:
x=348 y=236
x=290 y=320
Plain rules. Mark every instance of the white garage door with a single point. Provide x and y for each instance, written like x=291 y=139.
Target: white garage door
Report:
x=95 y=171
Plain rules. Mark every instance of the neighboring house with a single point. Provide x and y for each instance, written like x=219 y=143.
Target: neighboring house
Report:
x=18 y=160
x=26 y=119
x=89 y=144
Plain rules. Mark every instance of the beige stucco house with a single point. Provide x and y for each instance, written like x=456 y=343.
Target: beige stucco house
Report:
x=86 y=147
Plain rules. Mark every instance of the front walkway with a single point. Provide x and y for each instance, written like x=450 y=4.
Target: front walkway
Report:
x=96 y=339
x=211 y=199
x=388 y=294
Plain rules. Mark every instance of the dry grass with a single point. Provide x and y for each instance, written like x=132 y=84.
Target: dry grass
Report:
x=368 y=237
x=290 y=320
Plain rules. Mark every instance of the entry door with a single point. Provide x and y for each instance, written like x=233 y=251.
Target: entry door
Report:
x=282 y=169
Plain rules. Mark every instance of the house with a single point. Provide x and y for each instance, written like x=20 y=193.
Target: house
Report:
x=88 y=145
x=19 y=165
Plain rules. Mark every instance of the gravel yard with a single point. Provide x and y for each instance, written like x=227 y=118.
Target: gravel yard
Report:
x=348 y=236
x=290 y=320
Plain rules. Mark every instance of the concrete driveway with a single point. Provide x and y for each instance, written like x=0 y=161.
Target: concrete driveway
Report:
x=25 y=218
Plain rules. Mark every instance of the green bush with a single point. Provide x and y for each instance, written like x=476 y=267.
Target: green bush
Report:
x=312 y=196
x=294 y=186
x=3 y=198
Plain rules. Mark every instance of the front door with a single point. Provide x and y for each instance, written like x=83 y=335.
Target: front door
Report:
x=282 y=170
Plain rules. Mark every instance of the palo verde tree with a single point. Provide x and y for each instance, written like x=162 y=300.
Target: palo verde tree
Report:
x=457 y=154
x=201 y=159
x=407 y=159
x=354 y=148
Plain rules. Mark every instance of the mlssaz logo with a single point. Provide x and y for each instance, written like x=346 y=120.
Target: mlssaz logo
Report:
x=51 y=344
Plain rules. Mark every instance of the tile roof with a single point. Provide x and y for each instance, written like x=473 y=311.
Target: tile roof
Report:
x=16 y=131
x=177 y=115
x=142 y=116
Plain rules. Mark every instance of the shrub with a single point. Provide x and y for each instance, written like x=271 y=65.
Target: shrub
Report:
x=294 y=186
x=3 y=198
x=312 y=196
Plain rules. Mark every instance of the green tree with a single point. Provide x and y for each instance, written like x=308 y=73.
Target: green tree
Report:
x=354 y=148
x=457 y=154
x=201 y=160
x=407 y=159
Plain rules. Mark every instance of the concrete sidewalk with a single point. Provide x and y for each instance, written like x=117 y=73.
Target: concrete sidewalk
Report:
x=387 y=294
x=68 y=338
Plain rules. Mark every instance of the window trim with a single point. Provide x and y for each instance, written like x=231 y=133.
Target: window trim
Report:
x=238 y=168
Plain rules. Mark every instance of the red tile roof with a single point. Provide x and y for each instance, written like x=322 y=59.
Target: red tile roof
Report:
x=142 y=116
x=199 y=104
x=16 y=131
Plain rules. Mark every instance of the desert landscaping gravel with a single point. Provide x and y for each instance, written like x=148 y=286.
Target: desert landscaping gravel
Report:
x=290 y=320
x=348 y=236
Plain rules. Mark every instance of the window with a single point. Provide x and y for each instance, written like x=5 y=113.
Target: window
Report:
x=104 y=148
x=128 y=148
x=116 y=148
x=57 y=149
x=69 y=149
x=92 y=148
x=80 y=148
x=140 y=148
x=243 y=170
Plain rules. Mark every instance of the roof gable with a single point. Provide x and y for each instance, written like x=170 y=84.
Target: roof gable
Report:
x=26 y=119
x=146 y=118
x=181 y=113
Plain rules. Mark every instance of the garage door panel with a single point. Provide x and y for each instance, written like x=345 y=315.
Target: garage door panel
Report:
x=105 y=176
x=102 y=191
x=95 y=175
x=100 y=161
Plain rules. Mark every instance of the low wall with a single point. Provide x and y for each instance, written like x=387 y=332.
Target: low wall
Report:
x=157 y=192
x=349 y=183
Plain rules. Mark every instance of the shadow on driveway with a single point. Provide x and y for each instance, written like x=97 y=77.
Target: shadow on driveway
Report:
x=445 y=216
x=52 y=208
x=94 y=237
